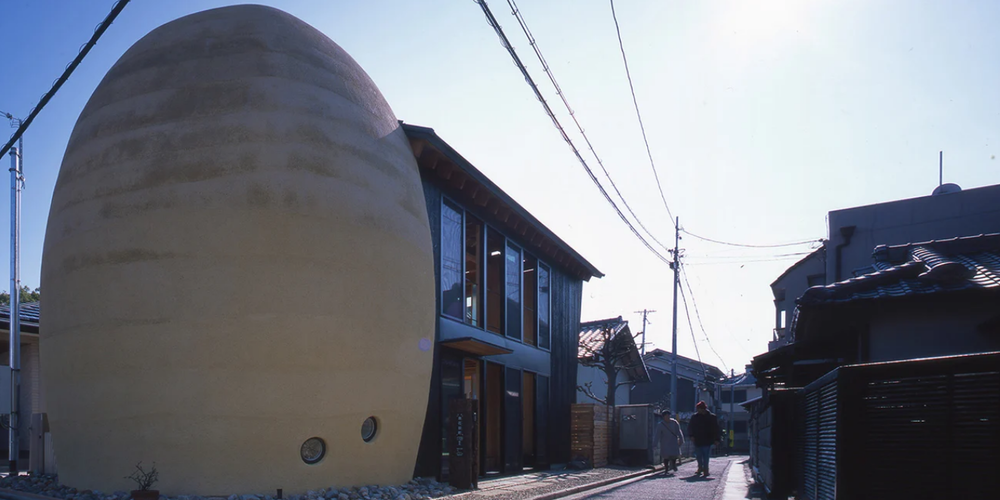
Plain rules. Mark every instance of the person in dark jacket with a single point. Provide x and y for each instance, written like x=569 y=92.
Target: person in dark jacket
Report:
x=703 y=429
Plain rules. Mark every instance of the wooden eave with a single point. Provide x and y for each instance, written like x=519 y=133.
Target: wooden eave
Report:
x=471 y=188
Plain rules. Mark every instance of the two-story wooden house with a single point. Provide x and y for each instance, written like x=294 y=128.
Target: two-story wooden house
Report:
x=508 y=302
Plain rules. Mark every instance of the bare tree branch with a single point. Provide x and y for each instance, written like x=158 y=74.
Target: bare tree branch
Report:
x=588 y=391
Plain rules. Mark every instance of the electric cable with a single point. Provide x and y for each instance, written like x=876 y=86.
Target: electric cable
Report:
x=749 y=245
x=555 y=121
x=516 y=12
x=697 y=314
x=691 y=329
x=638 y=115
x=84 y=50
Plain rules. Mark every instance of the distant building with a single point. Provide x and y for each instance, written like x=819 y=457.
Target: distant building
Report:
x=31 y=403
x=733 y=415
x=593 y=336
x=696 y=381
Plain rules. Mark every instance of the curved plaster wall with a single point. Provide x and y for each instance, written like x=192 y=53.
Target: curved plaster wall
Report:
x=237 y=259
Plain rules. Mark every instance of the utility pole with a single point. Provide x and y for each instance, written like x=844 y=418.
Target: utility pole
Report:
x=644 y=312
x=15 y=299
x=676 y=266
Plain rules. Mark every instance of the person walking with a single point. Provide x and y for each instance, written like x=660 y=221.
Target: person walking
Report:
x=669 y=438
x=704 y=430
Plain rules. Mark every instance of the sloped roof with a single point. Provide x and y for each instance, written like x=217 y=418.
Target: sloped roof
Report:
x=437 y=158
x=742 y=379
x=28 y=316
x=593 y=337
x=683 y=360
x=930 y=267
x=592 y=334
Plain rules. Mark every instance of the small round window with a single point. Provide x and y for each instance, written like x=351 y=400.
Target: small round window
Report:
x=313 y=450
x=369 y=428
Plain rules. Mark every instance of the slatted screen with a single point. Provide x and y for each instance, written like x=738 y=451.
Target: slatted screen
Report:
x=921 y=429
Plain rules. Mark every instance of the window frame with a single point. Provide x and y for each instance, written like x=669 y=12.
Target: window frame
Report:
x=507 y=241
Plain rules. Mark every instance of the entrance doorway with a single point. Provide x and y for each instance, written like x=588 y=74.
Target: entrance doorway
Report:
x=492 y=419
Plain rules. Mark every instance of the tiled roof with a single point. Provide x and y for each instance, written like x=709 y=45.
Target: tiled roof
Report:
x=684 y=361
x=29 y=313
x=931 y=267
x=592 y=334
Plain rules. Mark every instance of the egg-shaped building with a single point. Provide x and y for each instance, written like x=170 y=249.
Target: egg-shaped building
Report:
x=238 y=272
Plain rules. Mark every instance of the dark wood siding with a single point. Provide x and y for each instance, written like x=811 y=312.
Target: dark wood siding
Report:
x=429 y=455
x=567 y=295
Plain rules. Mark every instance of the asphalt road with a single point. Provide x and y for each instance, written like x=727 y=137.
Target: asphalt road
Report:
x=682 y=485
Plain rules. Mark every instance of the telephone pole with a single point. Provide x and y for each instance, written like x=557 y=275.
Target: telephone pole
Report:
x=676 y=266
x=644 y=312
x=16 y=178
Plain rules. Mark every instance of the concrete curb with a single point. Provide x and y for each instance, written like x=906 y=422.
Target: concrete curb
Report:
x=591 y=486
x=600 y=484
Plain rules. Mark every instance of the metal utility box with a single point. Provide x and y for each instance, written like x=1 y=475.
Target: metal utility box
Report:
x=635 y=434
x=635 y=427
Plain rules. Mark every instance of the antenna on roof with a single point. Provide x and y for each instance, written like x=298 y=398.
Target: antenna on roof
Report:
x=942 y=187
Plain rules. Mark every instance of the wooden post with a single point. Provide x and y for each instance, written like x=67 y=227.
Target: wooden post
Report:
x=463 y=449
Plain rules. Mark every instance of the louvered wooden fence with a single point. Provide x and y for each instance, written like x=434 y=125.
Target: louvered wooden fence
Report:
x=917 y=429
x=589 y=433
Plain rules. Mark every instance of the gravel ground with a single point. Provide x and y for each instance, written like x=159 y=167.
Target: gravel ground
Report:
x=419 y=489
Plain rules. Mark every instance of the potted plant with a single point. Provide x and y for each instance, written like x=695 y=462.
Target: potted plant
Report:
x=145 y=481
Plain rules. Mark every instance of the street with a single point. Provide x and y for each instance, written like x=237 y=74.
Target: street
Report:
x=682 y=485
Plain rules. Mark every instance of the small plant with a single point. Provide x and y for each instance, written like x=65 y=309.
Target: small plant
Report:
x=144 y=479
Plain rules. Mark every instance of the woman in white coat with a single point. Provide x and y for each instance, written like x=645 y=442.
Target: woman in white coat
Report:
x=669 y=438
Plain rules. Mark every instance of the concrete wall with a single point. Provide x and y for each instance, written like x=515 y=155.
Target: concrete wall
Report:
x=969 y=212
x=237 y=259
x=931 y=329
x=599 y=384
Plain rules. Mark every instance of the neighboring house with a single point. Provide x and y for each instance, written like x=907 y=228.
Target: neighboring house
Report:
x=854 y=232
x=934 y=298
x=593 y=337
x=696 y=381
x=808 y=272
x=31 y=402
x=903 y=281
x=733 y=415
x=509 y=297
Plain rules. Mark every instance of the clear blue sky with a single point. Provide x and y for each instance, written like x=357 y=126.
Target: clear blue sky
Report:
x=762 y=117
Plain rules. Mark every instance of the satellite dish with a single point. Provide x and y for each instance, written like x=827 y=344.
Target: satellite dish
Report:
x=947 y=188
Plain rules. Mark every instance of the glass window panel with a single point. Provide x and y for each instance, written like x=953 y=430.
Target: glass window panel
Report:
x=473 y=271
x=530 y=291
x=451 y=261
x=513 y=274
x=494 y=281
x=543 y=306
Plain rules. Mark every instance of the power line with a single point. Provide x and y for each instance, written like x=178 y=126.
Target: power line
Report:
x=98 y=31
x=733 y=336
x=555 y=121
x=724 y=258
x=693 y=339
x=548 y=71
x=734 y=262
x=698 y=315
x=748 y=245
x=637 y=114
